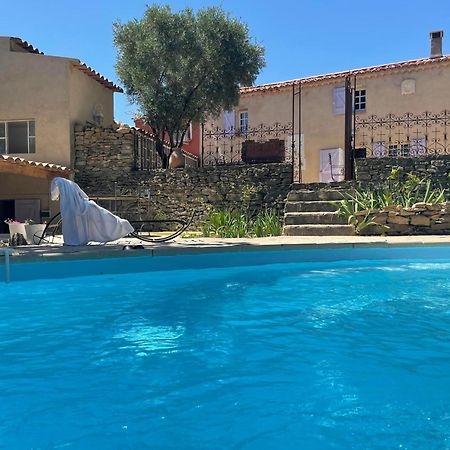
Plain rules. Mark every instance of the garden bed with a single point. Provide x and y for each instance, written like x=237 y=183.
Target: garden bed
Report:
x=421 y=218
x=401 y=204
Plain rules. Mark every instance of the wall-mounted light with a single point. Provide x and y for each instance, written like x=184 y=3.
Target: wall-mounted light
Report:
x=97 y=115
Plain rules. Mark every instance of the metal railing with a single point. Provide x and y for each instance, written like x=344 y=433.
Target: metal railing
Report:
x=232 y=146
x=146 y=156
x=405 y=135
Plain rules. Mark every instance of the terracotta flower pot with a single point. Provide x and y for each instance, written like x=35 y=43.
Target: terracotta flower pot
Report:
x=176 y=159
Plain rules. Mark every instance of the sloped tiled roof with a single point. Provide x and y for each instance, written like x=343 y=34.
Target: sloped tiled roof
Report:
x=14 y=161
x=76 y=63
x=190 y=154
x=405 y=65
x=95 y=75
x=26 y=46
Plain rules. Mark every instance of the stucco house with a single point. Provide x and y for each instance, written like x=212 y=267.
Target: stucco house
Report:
x=191 y=142
x=400 y=109
x=43 y=97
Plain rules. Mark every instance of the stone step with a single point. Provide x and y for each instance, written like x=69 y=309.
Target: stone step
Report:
x=339 y=185
x=321 y=206
x=321 y=195
x=303 y=218
x=318 y=230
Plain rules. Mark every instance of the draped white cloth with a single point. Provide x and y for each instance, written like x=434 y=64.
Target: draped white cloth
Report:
x=82 y=219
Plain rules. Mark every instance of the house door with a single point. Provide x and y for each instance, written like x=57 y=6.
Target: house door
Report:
x=28 y=209
x=20 y=210
x=331 y=165
x=7 y=211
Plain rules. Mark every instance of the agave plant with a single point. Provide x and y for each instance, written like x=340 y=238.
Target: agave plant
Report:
x=393 y=192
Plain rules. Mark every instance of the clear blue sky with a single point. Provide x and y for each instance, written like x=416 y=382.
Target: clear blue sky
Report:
x=301 y=37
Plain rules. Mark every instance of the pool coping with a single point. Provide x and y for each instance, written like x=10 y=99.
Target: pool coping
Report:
x=195 y=246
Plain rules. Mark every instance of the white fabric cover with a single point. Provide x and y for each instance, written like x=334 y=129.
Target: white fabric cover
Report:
x=82 y=219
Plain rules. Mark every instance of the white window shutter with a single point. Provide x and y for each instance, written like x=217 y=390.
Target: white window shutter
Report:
x=229 y=125
x=378 y=149
x=288 y=148
x=339 y=100
x=418 y=147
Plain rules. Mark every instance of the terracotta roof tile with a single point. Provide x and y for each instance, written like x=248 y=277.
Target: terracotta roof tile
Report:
x=55 y=168
x=95 y=75
x=76 y=62
x=190 y=154
x=336 y=75
x=26 y=46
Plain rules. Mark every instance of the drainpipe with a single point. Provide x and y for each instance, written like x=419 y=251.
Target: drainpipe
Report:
x=348 y=129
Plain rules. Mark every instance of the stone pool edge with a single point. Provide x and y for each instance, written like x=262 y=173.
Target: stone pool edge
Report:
x=208 y=245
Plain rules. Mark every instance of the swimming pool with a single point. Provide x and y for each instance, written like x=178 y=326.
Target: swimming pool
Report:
x=332 y=352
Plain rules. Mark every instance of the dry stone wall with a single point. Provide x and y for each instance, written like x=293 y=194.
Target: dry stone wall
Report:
x=421 y=218
x=435 y=167
x=104 y=166
x=103 y=152
x=178 y=192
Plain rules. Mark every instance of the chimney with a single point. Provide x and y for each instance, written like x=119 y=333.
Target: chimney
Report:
x=436 y=43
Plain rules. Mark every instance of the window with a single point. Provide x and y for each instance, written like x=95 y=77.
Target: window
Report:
x=17 y=137
x=243 y=121
x=176 y=135
x=360 y=100
x=188 y=134
x=2 y=138
x=378 y=149
x=395 y=150
x=229 y=122
x=339 y=100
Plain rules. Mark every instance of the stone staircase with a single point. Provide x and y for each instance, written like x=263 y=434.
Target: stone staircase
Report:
x=310 y=211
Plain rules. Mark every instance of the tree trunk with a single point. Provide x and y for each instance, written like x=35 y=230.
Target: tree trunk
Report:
x=162 y=154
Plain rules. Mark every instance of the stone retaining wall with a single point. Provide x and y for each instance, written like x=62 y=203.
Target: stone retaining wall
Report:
x=175 y=193
x=104 y=166
x=436 y=167
x=421 y=218
x=103 y=153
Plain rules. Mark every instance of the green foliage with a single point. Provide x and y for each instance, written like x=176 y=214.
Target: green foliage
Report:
x=405 y=191
x=247 y=193
x=267 y=223
x=357 y=215
x=233 y=223
x=226 y=223
x=394 y=191
x=180 y=67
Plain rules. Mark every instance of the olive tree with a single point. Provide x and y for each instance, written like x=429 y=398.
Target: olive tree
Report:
x=180 y=67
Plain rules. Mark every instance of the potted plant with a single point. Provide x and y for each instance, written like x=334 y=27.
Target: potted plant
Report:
x=29 y=230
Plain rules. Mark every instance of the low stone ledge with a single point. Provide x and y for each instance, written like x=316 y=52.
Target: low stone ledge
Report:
x=421 y=218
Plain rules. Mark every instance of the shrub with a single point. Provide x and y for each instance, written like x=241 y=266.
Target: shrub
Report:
x=394 y=191
x=267 y=223
x=233 y=223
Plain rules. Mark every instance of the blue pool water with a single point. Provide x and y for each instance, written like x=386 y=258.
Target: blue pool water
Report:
x=309 y=355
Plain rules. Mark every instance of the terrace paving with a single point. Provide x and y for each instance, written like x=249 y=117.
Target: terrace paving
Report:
x=214 y=245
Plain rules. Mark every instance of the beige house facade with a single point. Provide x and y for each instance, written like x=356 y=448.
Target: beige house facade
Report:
x=390 y=107
x=42 y=98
